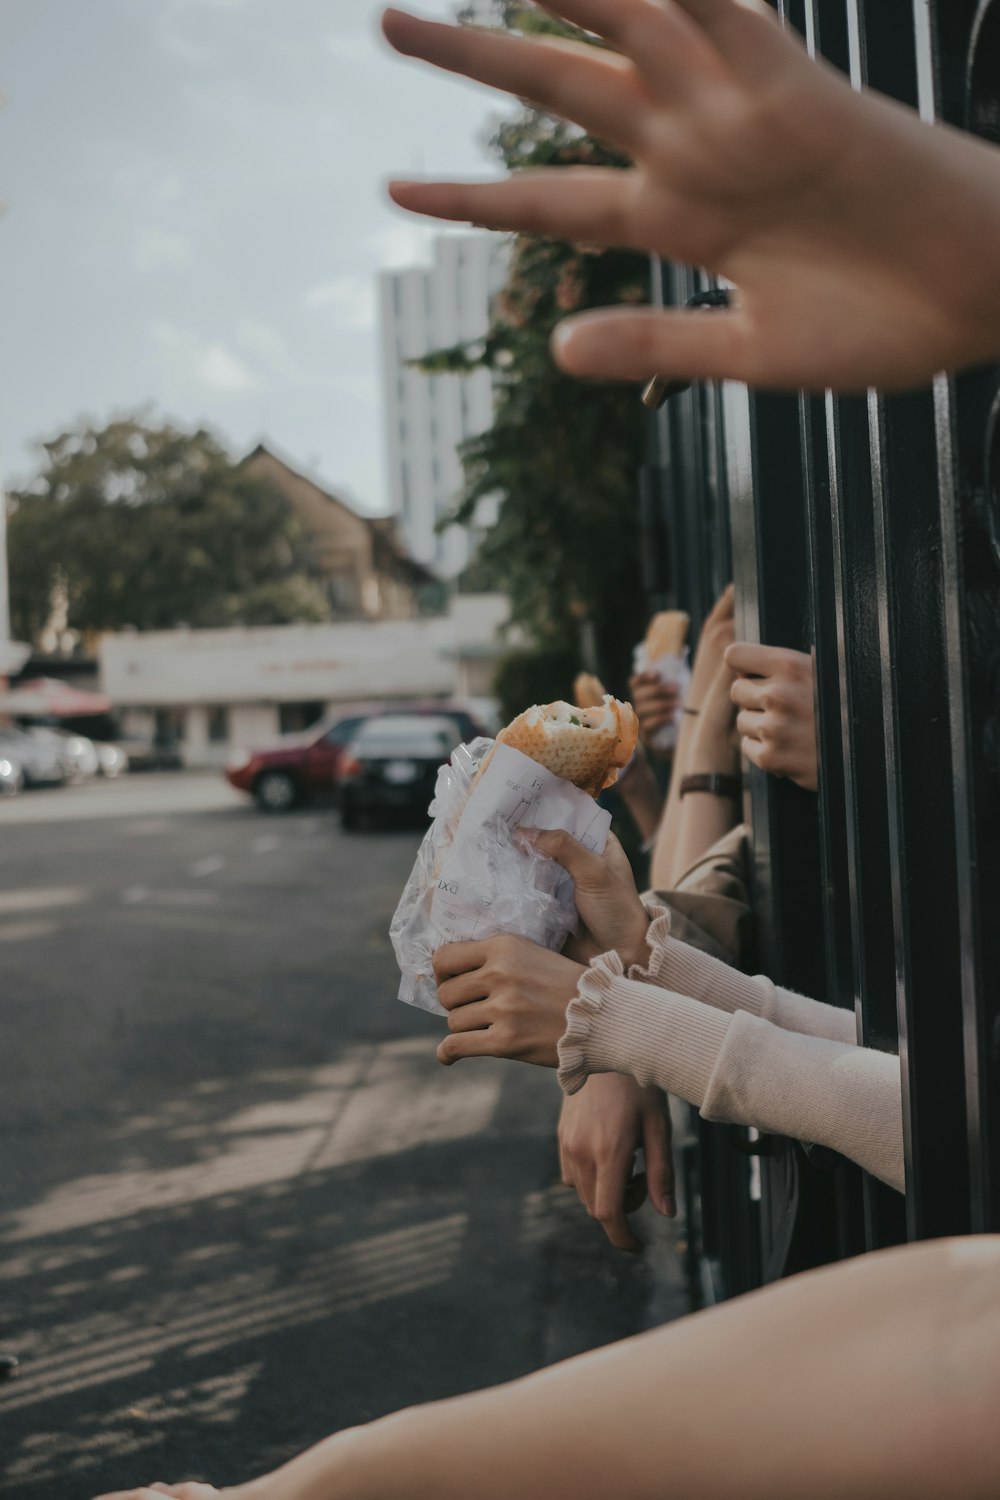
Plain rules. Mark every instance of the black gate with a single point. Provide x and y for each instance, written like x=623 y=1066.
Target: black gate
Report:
x=866 y=529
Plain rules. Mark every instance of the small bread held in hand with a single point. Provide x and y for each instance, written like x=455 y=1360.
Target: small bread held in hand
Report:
x=587 y=746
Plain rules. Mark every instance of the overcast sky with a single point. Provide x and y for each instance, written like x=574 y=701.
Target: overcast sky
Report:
x=196 y=217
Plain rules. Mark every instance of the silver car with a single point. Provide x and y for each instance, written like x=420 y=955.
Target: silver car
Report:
x=41 y=765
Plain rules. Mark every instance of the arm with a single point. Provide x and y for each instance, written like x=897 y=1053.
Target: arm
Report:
x=640 y=792
x=737 y=1068
x=704 y=817
x=878 y=1376
x=679 y=967
x=716 y=635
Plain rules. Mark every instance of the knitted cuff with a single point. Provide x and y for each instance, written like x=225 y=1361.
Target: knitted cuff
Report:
x=614 y=1025
x=678 y=966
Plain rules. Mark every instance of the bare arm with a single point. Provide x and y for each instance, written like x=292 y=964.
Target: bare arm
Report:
x=878 y=1377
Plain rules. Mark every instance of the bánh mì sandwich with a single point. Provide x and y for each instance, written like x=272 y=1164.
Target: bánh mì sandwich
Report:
x=587 y=746
x=666 y=633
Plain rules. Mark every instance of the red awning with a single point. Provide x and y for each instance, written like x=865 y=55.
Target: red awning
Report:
x=48 y=698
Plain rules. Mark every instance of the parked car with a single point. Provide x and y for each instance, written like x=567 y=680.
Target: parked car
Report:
x=297 y=767
x=41 y=765
x=391 y=765
x=112 y=760
x=77 y=753
x=11 y=775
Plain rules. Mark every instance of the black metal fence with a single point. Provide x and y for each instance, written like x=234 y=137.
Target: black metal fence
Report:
x=867 y=529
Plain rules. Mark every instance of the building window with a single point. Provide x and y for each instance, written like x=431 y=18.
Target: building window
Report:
x=294 y=717
x=218 y=724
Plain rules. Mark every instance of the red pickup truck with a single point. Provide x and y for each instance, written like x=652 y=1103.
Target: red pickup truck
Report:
x=297 y=767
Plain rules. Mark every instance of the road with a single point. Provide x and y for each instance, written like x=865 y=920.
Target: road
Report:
x=241 y=1205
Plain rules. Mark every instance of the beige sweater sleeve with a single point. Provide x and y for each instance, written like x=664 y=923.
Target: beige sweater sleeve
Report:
x=738 y=1068
x=686 y=970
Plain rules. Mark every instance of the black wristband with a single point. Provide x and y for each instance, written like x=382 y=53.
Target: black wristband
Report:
x=711 y=781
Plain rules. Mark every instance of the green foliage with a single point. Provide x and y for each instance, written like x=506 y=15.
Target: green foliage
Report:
x=534 y=676
x=562 y=455
x=151 y=527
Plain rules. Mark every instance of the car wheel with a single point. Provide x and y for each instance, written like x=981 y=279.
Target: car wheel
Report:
x=275 y=791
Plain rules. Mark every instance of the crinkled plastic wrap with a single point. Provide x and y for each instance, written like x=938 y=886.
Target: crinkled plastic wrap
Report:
x=474 y=877
x=671 y=668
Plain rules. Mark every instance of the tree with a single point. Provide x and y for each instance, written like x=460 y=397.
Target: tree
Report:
x=562 y=456
x=153 y=527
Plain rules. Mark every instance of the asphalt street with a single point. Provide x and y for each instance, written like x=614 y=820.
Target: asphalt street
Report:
x=241 y=1205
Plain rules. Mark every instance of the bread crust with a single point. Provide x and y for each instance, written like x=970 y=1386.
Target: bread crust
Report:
x=666 y=633
x=586 y=745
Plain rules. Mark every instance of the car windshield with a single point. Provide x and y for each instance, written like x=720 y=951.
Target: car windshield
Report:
x=411 y=736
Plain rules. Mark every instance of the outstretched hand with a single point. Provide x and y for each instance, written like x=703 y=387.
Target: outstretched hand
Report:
x=605 y=893
x=757 y=163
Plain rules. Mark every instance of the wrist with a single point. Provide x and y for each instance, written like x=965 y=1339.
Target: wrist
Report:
x=635 y=949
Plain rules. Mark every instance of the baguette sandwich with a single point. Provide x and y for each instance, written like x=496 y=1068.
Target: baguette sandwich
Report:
x=666 y=633
x=588 y=690
x=587 y=746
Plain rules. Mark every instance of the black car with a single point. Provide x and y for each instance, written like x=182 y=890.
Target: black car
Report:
x=391 y=766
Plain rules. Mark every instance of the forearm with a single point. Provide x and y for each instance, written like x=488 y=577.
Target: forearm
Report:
x=663 y=864
x=641 y=795
x=704 y=819
x=737 y=1068
x=678 y=966
x=878 y=1377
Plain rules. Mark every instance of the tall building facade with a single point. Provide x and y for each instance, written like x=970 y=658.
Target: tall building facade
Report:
x=425 y=308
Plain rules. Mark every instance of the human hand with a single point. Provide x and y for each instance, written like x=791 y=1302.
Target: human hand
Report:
x=775 y=694
x=714 y=747
x=505 y=997
x=757 y=163
x=600 y=1130
x=605 y=893
x=655 y=703
x=718 y=632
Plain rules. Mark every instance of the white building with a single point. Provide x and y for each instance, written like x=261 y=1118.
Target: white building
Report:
x=424 y=309
x=211 y=690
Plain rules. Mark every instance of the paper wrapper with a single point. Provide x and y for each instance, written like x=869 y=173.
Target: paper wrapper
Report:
x=474 y=878
x=673 y=668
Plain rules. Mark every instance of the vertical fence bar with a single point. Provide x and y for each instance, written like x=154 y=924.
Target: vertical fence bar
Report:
x=958 y=64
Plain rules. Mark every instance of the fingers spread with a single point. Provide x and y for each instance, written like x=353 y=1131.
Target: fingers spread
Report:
x=565 y=203
x=665 y=45
x=637 y=344
x=745 y=32
x=589 y=85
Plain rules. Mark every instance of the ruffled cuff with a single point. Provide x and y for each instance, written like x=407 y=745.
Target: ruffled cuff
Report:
x=581 y=1017
x=615 y=1025
x=679 y=966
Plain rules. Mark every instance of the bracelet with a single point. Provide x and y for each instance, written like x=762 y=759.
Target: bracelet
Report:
x=694 y=712
x=712 y=781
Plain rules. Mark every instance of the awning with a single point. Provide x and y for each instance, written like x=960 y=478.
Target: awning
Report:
x=48 y=698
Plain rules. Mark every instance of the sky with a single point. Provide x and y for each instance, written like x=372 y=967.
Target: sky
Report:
x=196 y=218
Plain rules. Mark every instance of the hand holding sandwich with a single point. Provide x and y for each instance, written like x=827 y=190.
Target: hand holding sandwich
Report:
x=505 y=997
x=606 y=898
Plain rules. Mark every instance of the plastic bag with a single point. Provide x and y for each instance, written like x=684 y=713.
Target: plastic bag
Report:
x=671 y=668
x=474 y=878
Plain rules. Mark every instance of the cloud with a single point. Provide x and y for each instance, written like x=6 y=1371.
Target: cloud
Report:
x=271 y=353
x=209 y=362
x=159 y=249
x=349 y=301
